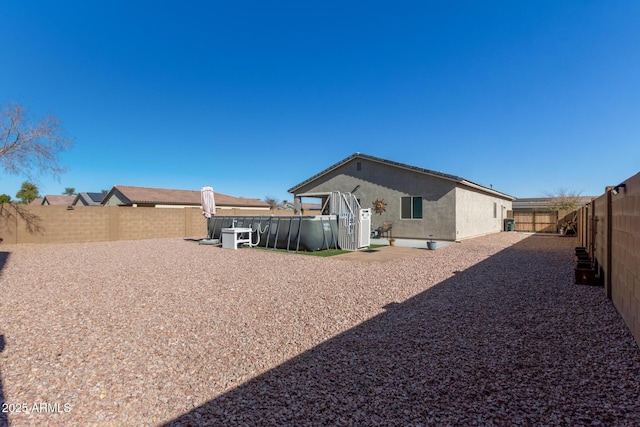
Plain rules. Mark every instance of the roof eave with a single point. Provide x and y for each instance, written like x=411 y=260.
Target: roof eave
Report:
x=487 y=190
x=320 y=174
x=380 y=160
x=440 y=175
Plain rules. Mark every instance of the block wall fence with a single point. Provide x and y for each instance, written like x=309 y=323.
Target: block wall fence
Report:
x=57 y=224
x=609 y=227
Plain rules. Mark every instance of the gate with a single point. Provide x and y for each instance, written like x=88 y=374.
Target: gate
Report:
x=354 y=223
x=536 y=222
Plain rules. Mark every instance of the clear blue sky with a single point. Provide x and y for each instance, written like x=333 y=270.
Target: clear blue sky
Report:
x=254 y=97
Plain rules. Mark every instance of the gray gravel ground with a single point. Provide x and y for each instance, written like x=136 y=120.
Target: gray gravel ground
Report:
x=491 y=331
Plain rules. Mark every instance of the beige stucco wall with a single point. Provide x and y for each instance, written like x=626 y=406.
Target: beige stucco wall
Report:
x=475 y=213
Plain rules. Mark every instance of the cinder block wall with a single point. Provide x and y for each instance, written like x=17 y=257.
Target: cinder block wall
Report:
x=145 y=223
x=53 y=224
x=56 y=224
x=612 y=224
x=625 y=253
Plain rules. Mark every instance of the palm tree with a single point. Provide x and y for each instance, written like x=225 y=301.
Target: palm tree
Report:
x=28 y=192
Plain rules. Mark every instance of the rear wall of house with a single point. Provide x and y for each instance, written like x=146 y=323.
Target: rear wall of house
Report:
x=378 y=181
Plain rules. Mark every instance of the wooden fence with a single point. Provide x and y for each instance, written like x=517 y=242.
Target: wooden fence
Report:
x=536 y=222
x=544 y=221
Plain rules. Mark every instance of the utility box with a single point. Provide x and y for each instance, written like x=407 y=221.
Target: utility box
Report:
x=231 y=237
x=509 y=224
x=364 y=239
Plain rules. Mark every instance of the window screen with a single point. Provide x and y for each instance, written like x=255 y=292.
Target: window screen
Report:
x=411 y=207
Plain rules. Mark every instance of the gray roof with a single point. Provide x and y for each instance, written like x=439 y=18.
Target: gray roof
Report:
x=96 y=197
x=455 y=178
x=91 y=199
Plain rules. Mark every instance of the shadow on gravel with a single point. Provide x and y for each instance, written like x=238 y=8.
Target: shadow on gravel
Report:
x=4 y=257
x=508 y=341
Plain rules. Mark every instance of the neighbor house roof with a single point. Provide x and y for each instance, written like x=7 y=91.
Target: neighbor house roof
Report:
x=442 y=175
x=89 y=199
x=166 y=196
x=55 y=200
x=37 y=201
x=311 y=206
x=544 y=203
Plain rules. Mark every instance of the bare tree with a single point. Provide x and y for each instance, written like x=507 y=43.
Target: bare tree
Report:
x=563 y=200
x=27 y=144
x=272 y=202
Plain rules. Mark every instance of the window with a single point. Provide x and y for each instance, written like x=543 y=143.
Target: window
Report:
x=495 y=210
x=411 y=207
x=359 y=166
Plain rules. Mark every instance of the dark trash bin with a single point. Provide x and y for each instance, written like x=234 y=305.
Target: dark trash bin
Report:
x=509 y=224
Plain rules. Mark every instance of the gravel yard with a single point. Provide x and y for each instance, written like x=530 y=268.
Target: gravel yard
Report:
x=490 y=331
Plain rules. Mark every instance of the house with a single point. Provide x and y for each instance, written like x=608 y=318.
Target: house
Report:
x=545 y=204
x=311 y=208
x=420 y=203
x=37 y=201
x=307 y=208
x=54 y=200
x=124 y=195
x=88 y=199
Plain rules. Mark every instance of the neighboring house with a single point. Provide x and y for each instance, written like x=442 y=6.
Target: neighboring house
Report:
x=420 y=203
x=88 y=199
x=311 y=208
x=307 y=208
x=541 y=214
x=54 y=200
x=36 y=201
x=124 y=195
x=541 y=204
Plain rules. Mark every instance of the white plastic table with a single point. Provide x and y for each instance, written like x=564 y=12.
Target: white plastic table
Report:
x=231 y=237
